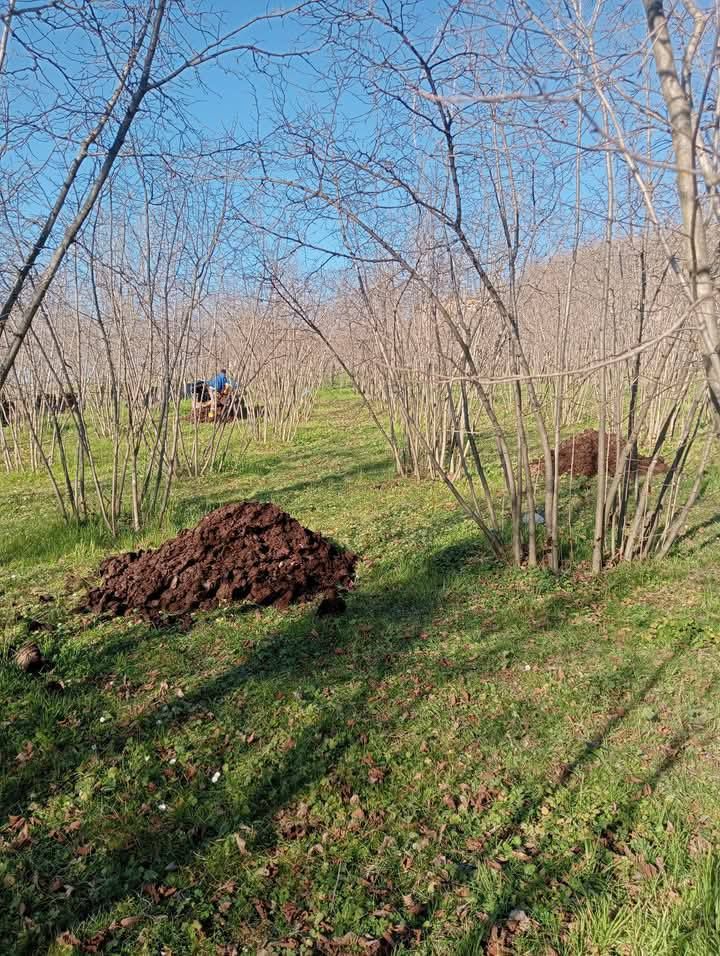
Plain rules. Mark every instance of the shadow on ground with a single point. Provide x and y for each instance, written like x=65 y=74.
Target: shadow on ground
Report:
x=338 y=667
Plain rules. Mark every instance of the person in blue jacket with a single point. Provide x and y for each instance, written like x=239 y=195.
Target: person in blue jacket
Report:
x=220 y=381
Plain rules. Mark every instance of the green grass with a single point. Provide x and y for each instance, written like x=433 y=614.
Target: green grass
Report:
x=466 y=741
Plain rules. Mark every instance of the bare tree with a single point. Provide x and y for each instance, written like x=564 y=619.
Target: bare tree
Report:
x=695 y=164
x=136 y=50
x=448 y=211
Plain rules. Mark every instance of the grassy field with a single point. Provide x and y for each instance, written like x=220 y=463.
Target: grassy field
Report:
x=474 y=759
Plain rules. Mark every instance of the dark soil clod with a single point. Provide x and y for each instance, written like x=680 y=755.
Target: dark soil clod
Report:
x=331 y=606
x=33 y=626
x=250 y=551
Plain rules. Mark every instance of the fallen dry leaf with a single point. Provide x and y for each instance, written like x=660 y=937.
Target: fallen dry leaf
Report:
x=158 y=893
x=26 y=754
x=67 y=939
x=646 y=869
x=22 y=839
x=411 y=906
x=127 y=922
x=95 y=943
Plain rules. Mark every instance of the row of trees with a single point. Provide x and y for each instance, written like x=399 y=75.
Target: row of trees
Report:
x=139 y=314
x=528 y=216
x=499 y=222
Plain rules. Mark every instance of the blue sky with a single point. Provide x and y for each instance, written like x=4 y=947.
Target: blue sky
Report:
x=226 y=99
x=232 y=93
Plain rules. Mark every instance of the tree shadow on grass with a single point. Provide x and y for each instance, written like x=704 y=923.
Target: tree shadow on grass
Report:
x=690 y=536
x=336 y=666
x=304 y=655
x=302 y=648
x=556 y=862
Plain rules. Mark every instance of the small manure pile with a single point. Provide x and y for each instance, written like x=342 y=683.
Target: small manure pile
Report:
x=250 y=551
x=578 y=455
x=226 y=407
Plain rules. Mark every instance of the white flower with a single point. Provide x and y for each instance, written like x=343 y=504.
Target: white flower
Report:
x=162 y=806
x=173 y=760
x=216 y=776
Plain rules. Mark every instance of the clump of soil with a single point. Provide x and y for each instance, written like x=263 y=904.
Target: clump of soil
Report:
x=250 y=551
x=578 y=455
x=221 y=406
x=331 y=606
